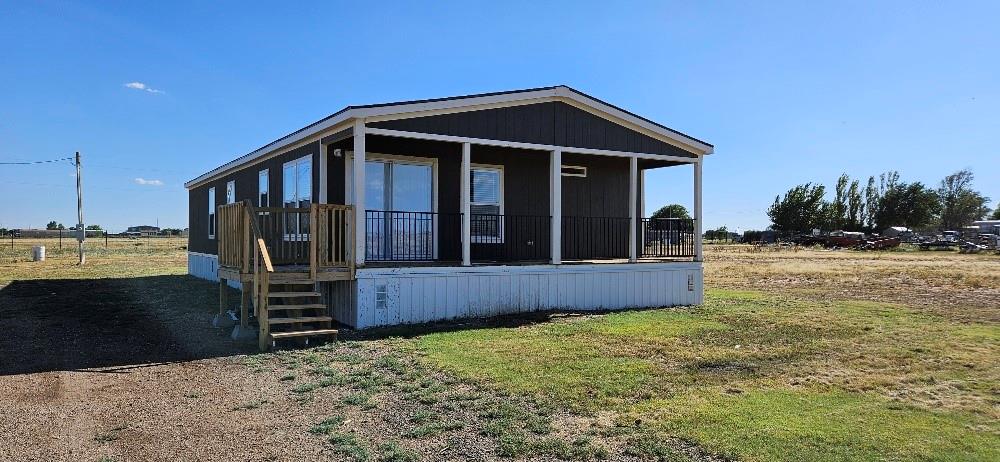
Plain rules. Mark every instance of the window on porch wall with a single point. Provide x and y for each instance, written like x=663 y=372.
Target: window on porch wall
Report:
x=486 y=205
x=400 y=218
x=297 y=193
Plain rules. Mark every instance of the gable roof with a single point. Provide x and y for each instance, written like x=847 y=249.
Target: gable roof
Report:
x=418 y=108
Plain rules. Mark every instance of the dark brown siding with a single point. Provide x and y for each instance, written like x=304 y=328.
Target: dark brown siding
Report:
x=246 y=188
x=551 y=123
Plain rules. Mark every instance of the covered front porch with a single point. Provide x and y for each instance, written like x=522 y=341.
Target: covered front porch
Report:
x=449 y=201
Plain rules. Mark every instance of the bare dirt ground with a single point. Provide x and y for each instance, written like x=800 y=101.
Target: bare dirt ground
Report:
x=117 y=362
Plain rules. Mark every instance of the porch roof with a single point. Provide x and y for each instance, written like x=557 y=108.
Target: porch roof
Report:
x=343 y=120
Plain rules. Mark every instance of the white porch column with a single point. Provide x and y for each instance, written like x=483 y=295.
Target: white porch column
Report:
x=359 y=192
x=633 y=199
x=466 y=204
x=555 y=204
x=697 y=210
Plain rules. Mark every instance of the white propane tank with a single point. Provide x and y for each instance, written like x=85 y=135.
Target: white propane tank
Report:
x=38 y=253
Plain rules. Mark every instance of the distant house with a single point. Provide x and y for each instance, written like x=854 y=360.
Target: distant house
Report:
x=446 y=208
x=988 y=226
x=143 y=230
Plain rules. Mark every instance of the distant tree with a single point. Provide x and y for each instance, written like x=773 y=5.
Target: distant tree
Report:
x=672 y=211
x=95 y=227
x=52 y=225
x=960 y=204
x=717 y=234
x=60 y=226
x=871 y=203
x=912 y=205
x=837 y=214
x=855 y=208
x=801 y=209
x=996 y=213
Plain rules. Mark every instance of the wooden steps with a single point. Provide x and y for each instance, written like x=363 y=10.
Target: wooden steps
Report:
x=305 y=306
x=295 y=311
x=299 y=320
x=303 y=333
x=292 y=294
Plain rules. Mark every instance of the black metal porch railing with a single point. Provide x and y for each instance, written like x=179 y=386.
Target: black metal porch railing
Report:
x=595 y=238
x=412 y=236
x=510 y=238
x=666 y=237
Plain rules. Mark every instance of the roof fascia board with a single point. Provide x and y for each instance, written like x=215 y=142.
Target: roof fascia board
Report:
x=455 y=109
x=278 y=147
x=459 y=103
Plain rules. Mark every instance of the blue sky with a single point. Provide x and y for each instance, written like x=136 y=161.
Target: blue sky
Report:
x=789 y=92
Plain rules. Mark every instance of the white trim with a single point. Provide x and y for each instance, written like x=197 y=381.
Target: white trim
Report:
x=343 y=119
x=520 y=145
x=212 y=213
x=582 y=171
x=404 y=271
x=358 y=196
x=633 y=193
x=489 y=239
x=555 y=204
x=697 y=213
x=465 y=190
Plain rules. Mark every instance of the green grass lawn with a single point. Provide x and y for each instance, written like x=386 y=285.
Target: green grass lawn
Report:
x=757 y=377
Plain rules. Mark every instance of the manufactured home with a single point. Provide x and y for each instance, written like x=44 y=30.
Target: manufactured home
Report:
x=467 y=206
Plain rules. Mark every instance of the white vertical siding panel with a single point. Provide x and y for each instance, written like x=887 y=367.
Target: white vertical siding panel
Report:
x=421 y=295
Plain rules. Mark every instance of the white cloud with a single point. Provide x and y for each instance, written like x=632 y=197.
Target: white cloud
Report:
x=146 y=182
x=142 y=86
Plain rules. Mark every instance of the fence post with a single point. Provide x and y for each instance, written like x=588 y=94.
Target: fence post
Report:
x=60 y=239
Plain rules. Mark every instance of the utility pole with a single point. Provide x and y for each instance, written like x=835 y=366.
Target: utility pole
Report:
x=82 y=233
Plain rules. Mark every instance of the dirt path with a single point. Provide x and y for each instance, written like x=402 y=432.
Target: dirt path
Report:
x=127 y=369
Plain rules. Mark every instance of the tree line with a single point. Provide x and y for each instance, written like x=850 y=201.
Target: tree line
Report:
x=881 y=203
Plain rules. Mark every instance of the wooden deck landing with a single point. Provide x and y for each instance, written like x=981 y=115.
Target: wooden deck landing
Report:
x=290 y=273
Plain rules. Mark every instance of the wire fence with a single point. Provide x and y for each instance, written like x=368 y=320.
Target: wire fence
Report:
x=15 y=248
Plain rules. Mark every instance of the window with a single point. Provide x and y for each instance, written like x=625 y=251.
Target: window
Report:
x=231 y=191
x=262 y=189
x=486 y=204
x=296 y=180
x=399 y=208
x=574 y=170
x=211 y=213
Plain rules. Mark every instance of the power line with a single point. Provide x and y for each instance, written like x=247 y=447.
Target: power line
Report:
x=36 y=161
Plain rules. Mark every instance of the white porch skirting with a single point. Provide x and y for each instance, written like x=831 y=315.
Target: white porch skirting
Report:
x=390 y=296
x=412 y=295
x=206 y=266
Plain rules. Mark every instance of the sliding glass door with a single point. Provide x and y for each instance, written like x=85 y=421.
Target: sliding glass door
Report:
x=399 y=198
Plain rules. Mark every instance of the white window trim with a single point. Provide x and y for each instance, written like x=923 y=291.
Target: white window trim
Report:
x=489 y=239
x=230 y=187
x=300 y=236
x=581 y=170
x=265 y=173
x=211 y=213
